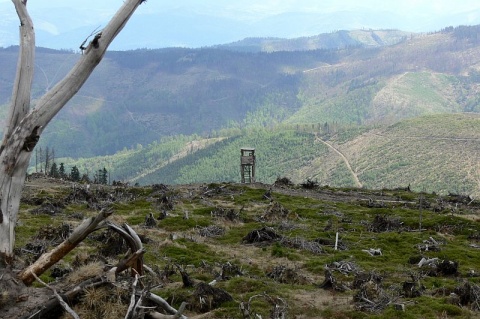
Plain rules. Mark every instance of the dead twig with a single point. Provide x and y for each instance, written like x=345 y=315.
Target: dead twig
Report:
x=133 y=299
x=64 y=305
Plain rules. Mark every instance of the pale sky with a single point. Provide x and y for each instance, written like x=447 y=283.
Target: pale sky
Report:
x=207 y=22
x=268 y=7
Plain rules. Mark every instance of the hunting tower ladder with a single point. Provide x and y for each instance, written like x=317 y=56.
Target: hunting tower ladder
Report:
x=247 y=165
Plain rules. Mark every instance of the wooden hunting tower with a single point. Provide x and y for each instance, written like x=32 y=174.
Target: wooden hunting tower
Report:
x=247 y=165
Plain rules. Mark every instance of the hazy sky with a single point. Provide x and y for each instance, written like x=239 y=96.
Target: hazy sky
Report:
x=254 y=8
x=214 y=18
x=275 y=5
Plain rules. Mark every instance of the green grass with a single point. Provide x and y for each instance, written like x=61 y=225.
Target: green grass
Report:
x=310 y=219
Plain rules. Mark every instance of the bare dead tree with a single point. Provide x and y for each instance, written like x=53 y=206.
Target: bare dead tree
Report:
x=24 y=125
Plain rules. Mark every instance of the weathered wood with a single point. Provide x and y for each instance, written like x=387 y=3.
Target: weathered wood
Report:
x=25 y=125
x=24 y=74
x=13 y=167
x=133 y=299
x=179 y=314
x=135 y=261
x=166 y=306
x=131 y=261
x=48 y=259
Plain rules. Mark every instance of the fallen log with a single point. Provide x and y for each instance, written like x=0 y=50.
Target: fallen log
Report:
x=76 y=237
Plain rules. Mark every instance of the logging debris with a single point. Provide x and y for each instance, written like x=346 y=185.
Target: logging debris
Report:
x=229 y=214
x=206 y=298
x=383 y=223
x=49 y=208
x=54 y=234
x=430 y=244
x=362 y=278
x=277 y=211
x=111 y=243
x=150 y=221
x=262 y=235
x=344 y=267
x=331 y=243
x=283 y=182
x=278 y=310
x=467 y=294
x=439 y=267
x=303 y=244
x=330 y=283
x=211 y=231
x=285 y=275
x=371 y=297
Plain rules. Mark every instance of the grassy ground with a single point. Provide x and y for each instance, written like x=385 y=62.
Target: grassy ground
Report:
x=225 y=239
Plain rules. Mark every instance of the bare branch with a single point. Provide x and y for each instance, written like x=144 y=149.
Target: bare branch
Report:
x=133 y=299
x=165 y=306
x=49 y=105
x=134 y=261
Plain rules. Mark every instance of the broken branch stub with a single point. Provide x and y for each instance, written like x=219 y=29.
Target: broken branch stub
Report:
x=135 y=261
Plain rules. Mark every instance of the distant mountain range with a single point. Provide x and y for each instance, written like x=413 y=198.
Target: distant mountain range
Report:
x=325 y=41
x=180 y=115
x=61 y=26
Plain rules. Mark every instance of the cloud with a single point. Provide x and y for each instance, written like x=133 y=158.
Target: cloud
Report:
x=47 y=27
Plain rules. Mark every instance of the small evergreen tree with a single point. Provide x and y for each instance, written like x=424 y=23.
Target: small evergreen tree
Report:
x=85 y=179
x=61 y=171
x=54 y=171
x=75 y=174
x=102 y=176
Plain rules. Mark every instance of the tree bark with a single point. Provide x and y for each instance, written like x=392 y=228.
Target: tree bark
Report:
x=25 y=125
x=12 y=183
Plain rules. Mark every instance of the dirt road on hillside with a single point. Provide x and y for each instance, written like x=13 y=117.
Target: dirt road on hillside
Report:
x=345 y=160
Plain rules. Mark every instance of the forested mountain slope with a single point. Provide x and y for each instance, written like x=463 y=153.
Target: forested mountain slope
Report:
x=137 y=97
x=437 y=73
x=434 y=153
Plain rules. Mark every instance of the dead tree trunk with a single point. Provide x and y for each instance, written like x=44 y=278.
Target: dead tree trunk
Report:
x=25 y=125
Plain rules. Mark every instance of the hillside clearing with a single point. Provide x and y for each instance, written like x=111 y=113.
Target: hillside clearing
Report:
x=291 y=268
